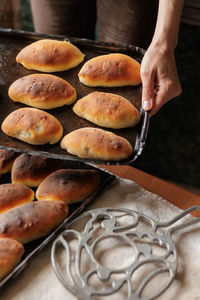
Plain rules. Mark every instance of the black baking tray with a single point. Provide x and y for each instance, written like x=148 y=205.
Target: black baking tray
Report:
x=12 y=41
x=35 y=247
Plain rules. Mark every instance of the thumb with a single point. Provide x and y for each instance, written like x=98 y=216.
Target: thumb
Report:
x=147 y=91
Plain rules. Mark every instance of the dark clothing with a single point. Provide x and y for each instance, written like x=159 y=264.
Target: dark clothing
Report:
x=125 y=21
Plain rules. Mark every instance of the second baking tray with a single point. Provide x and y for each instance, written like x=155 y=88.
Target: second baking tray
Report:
x=36 y=246
x=12 y=41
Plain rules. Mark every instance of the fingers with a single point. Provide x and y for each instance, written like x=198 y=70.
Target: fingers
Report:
x=164 y=92
x=148 y=80
x=161 y=97
x=160 y=81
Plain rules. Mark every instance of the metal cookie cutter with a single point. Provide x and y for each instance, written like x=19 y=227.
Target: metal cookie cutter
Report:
x=141 y=242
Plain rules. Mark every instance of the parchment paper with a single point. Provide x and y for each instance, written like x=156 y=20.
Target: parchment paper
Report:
x=38 y=280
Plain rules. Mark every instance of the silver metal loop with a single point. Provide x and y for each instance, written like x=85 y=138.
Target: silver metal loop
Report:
x=142 y=243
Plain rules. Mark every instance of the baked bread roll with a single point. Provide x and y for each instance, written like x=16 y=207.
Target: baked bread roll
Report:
x=11 y=252
x=50 y=56
x=6 y=160
x=94 y=143
x=33 y=220
x=107 y=110
x=68 y=185
x=110 y=70
x=31 y=170
x=42 y=91
x=12 y=195
x=33 y=126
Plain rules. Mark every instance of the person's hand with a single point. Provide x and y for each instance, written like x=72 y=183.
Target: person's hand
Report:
x=160 y=81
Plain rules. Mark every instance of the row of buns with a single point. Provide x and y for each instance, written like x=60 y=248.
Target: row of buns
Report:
x=108 y=70
x=37 y=127
x=26 y=215
x=46 y=91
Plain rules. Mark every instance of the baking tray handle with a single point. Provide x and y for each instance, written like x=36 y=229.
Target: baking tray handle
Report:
x=142 y=135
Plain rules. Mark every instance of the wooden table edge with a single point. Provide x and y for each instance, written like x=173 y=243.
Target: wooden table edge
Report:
x=176 y=195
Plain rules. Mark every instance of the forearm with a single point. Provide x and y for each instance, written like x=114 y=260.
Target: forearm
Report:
x=167 y=26
x=160 y=81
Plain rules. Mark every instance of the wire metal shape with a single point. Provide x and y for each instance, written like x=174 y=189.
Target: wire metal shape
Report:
x=140 y=239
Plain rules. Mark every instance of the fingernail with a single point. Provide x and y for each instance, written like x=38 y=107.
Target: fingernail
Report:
x=147 y=104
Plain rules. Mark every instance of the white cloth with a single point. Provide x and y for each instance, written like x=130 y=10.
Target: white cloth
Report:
x=38 y=280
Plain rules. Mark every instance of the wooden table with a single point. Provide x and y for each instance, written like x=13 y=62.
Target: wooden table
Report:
x=172 y=193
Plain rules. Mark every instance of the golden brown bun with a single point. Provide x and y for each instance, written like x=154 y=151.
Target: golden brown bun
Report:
x=12 y=195
x=68 y=185
x=110 y=70
x=50 y=56
x=33 y=126
x=31 y=170
x=107 y=110
x=33 y=220
x=11 y=252
x=96 y=143
x=42 y=91
x=7 y=159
